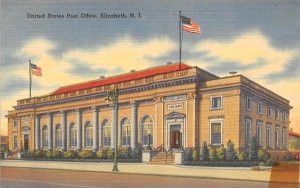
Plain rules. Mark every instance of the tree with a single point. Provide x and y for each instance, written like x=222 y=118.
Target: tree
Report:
x=230 y=152
x=205 y=151
x=253 y=149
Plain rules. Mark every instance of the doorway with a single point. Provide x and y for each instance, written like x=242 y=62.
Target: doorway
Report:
x=175 y=139
x=26 y=142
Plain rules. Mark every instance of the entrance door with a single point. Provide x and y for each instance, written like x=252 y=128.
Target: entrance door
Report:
x=175 y=139
x=26 y=142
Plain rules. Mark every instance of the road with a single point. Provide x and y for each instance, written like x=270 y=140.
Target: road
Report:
x=36 y=178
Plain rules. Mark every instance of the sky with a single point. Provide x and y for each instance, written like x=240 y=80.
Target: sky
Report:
x=259 y=39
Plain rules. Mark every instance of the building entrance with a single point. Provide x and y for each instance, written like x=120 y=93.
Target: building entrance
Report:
x=175 y=139
x=26 y=142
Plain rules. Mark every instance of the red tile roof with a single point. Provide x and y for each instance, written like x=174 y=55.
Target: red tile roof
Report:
x=123 y=78
x=292 y=133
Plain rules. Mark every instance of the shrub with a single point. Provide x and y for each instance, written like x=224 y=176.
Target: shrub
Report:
x=230 y=152
x=205 y=151
x=57 y=153
x=87 y=154
x=269 y=162
x=38 y=153
x=195 y=155
x=243 y=156
x=110 y=154
x=221 y=153
x=49 y=154
x=261 y=154
x=288 y=157
x=70 y=154
x=213 y=154
x=102 y=153
x=253 y=149
x=267 y=156
x=189 y=155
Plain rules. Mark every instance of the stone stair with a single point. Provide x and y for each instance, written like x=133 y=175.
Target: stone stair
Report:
x=162 y=158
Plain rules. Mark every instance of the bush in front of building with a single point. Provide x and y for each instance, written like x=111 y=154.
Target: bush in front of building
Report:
x=102 y=153
x=189 y=154
x=57 y=153
x=230 y=152
x=221 y=153
x=204 y=152
x=49 y=154
x=70 y=154
x=87 y=154
x=242 y=156
x=195 y=155
x=213 y=154
x=38 y=153
x=110 y=154
x=253 y=149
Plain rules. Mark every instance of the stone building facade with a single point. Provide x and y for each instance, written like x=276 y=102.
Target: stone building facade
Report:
x=167 y=106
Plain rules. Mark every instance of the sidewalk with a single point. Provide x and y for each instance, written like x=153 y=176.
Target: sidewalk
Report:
x=141 y=168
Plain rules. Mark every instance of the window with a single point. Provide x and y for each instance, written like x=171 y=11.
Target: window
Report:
x=58 y=136
x=45 y=137
x=284 y=116
x=147 y=131
x=176 y=97
x=283 y=138
x=277 y=114
x=73 y=135
x=216 y=103
x=258 y=133
x=249 y=103
x=15 y=124
x=106 y=133
x=268 y=136
x=216 y=132
x=15 y=141
x=126 y=132
x=269 y=111
x=88 y=134
x=277 y=137
x=259 y=107
x=248 y=131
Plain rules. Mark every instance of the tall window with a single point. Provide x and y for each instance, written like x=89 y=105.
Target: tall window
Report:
x=73 y=135
x=88 y=134
x=283 y=138
x=106 y=133
x=284 y=116
x=269 y=111
x=277 y=137
x=15 y=141
x=268 y=136
x=15 y=124
x=249 y=103
x=248 y=131
x=216 y=103
x=258 y=133
x=45 y=137
x=126 y=132
x=277 y=114
x=216 y=132
x=259 y=107
x=58 y=136
x=147 y=131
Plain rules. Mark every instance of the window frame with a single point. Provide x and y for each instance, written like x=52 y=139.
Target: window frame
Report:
x=106 y=140
x=218 y=107
x=58 y=140
x=15 y=141
x=259 y=107
x=45 y=137
x=127 y=133
x=269 y=136
x=259 y=126
x=150 y=125
x=221 y=131
x=15 y=123
x=249 y=103
x=277 y=114
x=284 y=145
x=248 y=134
x=269 y=112
x=277 y=133
x=284 y=116
x=73 y=130
x=88 y=135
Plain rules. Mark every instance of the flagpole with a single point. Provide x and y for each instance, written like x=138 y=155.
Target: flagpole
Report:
x=180 y=39
x=30 y=78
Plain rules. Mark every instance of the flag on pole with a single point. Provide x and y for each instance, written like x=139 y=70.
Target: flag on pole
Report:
x=35 y=70
x=189 y=25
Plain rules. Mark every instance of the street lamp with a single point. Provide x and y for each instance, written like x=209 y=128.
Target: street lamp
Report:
x=113 y=97
x=149 y=147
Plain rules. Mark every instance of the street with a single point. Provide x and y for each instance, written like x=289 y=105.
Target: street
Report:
x=34 y=178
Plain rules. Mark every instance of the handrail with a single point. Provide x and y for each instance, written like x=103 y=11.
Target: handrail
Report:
x=158 y=149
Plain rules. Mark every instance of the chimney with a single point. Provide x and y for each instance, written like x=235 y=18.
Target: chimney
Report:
x=102 y=77
x=132 y=71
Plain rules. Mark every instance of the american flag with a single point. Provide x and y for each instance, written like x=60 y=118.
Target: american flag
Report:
x=35 y=70
x=189 y=25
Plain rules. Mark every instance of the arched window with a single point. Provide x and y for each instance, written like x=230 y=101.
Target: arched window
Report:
x=106 y=133
x=147 y=126
x=58 y=136
x=45 y=137
x=73 y=135
x=126 y=132
x=88 y=130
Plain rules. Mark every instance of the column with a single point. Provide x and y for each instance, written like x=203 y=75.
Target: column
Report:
x=37 y=132
x=79 y=129
x=50 y=126
x=95 y=129
x=64 y=135
x=113 y=127
x=133 y=123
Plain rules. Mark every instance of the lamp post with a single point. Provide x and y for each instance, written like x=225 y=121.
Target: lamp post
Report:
x=113 y=97
x=149 y=147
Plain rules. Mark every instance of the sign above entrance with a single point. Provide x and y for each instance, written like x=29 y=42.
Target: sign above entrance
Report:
x=177 y=106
